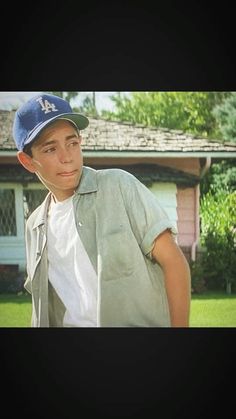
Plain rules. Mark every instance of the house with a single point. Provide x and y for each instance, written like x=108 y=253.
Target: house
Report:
x=170 y=163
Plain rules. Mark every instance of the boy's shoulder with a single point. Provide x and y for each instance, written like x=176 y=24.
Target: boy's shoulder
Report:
x=108 y=172
x=114 y=177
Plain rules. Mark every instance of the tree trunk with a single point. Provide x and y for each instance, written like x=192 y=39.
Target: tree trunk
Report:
x=228 y=288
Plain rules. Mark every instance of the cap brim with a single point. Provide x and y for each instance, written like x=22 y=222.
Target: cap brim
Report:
x=79 y=120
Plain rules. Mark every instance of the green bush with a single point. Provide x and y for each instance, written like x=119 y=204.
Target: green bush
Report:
x=198 y=282
x=11 y=281
x=218 y=236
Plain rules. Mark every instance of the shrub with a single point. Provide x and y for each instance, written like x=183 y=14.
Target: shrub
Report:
x=218 y=236
x=197 y=277
x=11 y=280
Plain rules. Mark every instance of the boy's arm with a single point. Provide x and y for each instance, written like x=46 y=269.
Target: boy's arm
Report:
x=177 y=278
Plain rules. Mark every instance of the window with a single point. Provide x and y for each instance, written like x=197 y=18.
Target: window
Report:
x=7 y=213
x=17 y=202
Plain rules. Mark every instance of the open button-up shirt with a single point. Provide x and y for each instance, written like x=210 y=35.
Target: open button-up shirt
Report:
x=118 y=220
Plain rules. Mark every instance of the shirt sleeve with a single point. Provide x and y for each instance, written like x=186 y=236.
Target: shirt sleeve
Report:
x=147 y=217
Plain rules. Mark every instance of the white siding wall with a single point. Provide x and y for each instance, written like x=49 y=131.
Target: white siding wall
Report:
x=167 y=196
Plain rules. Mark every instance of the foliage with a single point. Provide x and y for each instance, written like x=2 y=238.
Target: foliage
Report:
x=187 y=111
x=65 y=95
x=11 y=281
x=221 y=176
x=89 y=106
x=197 y=277
x=225 y=114
x=218 y=236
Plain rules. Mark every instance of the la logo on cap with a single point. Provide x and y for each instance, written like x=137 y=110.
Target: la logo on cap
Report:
x=46 y=106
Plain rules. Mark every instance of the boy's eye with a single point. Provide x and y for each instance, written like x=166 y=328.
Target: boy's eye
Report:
x=73 y=143
x=49 y=150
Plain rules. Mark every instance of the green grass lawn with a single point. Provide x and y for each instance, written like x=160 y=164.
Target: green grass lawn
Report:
x=213 y=310
x=15 y=310
x=207 y=310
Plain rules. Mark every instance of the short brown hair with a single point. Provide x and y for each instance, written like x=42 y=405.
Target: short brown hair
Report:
x=28 y=150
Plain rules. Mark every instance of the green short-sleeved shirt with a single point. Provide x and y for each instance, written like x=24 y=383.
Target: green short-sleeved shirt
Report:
x=118 y=219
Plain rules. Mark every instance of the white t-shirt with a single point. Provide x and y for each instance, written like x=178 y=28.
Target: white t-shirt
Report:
x=70 y=270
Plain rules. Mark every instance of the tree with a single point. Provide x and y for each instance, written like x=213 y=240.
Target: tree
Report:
x=218 y=236
x=221 y=177
x=187 y=111
x=89 y=105
x=225 y=114
x=65 y=95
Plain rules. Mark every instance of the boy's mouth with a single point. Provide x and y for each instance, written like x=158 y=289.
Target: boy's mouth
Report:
x=67 y=174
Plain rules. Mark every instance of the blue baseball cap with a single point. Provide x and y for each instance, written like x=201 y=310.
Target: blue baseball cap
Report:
x=32 y=117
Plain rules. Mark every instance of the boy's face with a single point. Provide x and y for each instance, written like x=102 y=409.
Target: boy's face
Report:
x=56 y=159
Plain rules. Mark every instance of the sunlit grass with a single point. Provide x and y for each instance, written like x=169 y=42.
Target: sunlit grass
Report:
x=213 y=310
x=15 y=310
x=207 y=310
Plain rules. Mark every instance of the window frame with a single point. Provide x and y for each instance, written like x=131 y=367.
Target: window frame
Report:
x=12 y=248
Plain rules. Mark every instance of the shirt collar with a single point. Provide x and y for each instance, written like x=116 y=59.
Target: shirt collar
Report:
x=88 y=184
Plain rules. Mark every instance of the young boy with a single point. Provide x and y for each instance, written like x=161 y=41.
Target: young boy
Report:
x=100 y=249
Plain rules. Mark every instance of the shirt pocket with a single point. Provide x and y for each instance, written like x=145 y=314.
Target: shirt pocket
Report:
x=118 y=254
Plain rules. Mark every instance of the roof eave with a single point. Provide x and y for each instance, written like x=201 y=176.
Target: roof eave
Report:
x=155 y=154
x=149 y=154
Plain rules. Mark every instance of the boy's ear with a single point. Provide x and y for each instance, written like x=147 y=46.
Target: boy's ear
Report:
x=26 y=161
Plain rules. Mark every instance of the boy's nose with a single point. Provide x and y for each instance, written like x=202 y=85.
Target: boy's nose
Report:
x=65 y=156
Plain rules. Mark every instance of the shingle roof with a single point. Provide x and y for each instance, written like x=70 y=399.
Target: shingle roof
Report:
x=6 y=122
x=105 y=135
